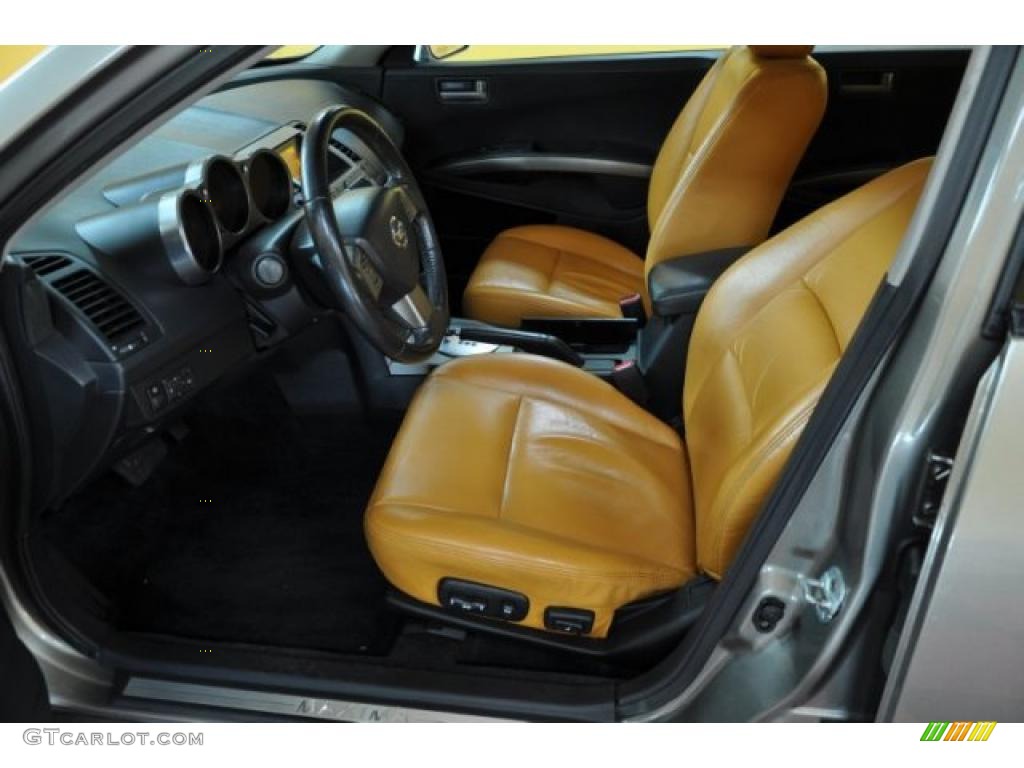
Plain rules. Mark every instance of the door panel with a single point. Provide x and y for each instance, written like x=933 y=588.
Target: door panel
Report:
x=885 y=108
x=568 y=142
x=23 y=694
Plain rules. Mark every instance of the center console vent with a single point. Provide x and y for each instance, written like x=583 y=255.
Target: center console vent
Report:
x=110 y=312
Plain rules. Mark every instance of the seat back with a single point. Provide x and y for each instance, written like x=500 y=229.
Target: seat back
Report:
x=766 y=340
x=729 y=156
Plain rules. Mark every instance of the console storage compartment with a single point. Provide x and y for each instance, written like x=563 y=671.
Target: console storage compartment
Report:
x=589 y=334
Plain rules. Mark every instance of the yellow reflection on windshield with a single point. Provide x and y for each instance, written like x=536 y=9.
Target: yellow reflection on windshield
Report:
x=14 y=57
x=513 y=52
x=292 y=51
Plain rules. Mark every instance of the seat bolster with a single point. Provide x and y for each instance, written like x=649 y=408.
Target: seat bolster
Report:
x=767 y=339
x=419 y=546
x=551 y=271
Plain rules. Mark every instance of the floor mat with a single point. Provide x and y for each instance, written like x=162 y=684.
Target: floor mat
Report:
x=250 y=532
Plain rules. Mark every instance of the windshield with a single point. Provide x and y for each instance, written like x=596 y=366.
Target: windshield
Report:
x=290 y=53
x=13 y=58
x=482 y=53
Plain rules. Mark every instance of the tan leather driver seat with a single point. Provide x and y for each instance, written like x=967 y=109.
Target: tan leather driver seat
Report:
x=529 y=475
x=717 y=183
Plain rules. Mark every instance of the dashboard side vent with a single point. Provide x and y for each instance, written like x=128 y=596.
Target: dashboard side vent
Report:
x=46 y=263
x=109 y=311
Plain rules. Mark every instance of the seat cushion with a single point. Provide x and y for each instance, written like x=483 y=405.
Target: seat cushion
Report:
x=551 y=271
x=527 y=474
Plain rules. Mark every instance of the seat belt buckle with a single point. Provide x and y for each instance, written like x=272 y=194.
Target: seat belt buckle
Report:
x=632 y=308
x=626 y=378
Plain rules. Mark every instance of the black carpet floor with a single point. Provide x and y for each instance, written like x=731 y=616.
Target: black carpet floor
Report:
x=250 y=531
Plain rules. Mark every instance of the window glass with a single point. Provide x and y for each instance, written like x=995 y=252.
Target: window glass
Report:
x=14 y=57
x=291 y=52
x=497 y=53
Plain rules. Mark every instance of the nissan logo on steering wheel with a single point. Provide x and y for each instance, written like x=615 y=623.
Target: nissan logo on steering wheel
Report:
x=399 y=234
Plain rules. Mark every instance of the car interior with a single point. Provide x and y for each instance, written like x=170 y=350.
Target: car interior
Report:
x=410 y=369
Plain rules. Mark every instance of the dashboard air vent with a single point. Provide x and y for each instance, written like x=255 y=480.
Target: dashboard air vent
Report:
x=46 y=263
x=352 y=156
x=108 y=310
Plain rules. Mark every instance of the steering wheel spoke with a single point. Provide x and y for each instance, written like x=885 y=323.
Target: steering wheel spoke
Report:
x=414 y=310
x=364 y=269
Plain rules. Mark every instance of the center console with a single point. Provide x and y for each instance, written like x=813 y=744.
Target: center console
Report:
x=645 y=358
x=595 y=345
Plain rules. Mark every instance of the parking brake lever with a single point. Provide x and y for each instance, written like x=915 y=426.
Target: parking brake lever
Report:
x=536 y=343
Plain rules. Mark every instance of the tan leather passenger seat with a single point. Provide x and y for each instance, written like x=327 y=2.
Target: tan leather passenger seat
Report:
x=533 y=476
x=717 y=183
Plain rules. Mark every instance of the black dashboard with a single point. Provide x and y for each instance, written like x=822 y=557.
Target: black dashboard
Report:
x=167 y=270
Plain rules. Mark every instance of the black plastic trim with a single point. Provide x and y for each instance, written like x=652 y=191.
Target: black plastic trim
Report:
x=639 y=630
x=1009 y=294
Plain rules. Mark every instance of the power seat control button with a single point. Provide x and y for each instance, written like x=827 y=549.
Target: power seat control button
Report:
x=468 y=597
x=466 y=605
x=571 y=621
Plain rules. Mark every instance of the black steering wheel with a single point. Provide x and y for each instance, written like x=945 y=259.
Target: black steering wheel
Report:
x=377 y=247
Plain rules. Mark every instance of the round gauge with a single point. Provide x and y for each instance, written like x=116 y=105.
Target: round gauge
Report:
x=270 y=184
x=199 y=231
x=225 y=189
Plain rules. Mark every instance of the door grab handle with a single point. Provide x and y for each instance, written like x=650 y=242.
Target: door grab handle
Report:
x=866 y=82
x=462 y=90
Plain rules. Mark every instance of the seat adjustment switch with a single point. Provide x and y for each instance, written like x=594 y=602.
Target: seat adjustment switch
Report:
x=572 y=621
x=482 y=600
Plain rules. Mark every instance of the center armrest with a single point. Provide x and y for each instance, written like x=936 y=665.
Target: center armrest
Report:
x=678 y=286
